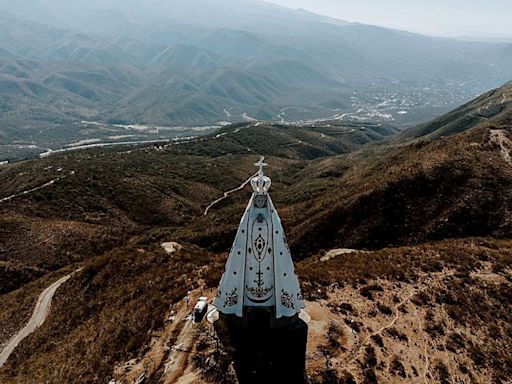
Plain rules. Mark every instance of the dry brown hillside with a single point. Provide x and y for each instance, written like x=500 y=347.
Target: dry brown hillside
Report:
x=428 y=301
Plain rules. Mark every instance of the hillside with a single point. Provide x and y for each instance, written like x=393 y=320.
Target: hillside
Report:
x=493 y=109
x=353 y=316
x=90 y=212
x=427 y=191
x=430 y=214
x=395 y=194
x=377 y=196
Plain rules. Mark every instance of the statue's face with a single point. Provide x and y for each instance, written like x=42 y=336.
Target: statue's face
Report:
x=260 y=201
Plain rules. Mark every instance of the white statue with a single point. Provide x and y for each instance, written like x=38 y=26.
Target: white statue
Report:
x=260 y=272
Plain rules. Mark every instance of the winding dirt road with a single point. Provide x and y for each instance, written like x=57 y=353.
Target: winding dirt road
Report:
x=45 y=185
x=226 y=194
x=39 y=315
x=30 y=190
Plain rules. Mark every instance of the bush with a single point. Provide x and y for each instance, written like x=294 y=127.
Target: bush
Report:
x=443 y=375
x=378 y=340
x=370 y=377
x=347 y=378
x=346 y=308
x=370 y=358
x=421 y=299
x=397 y=368
x=367 y=291
x=435 y=329
x=455 y=342
x=396 y=334
x=385 y=309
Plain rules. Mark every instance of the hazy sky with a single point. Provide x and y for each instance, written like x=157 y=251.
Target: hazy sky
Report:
x=486 y=18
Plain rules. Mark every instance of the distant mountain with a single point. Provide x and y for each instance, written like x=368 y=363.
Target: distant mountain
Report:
x=493 y=109
x=202 y=62
x=7 y=54
x=187 y=55
x=452 y=183
x=133 y=17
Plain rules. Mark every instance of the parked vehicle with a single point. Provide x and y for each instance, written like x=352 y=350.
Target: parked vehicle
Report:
x=142 y=378
x=200 y=309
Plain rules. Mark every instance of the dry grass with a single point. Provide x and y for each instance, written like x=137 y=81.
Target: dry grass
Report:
x=450 y=306
x=105 y=314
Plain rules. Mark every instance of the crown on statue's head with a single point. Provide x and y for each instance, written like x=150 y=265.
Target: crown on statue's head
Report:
x=261 y=183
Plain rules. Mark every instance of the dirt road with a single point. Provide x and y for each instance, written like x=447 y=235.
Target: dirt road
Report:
x=226 y=194
x=41 y=310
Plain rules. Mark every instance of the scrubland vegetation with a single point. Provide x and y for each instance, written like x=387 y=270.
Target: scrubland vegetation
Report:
x=428 y=299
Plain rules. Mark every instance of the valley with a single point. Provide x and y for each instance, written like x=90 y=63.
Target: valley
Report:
x=77 y=78
x=129 y=131
x=425 y=299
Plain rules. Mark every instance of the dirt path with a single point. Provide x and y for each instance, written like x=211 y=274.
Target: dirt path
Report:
x=397 y=316
x=177 y=367
x=499 y=137
x=226 y=194
x=180 y=351
x=507 y=96
x=360 y=346
x=39 y=315
x=299 y=142
x=155 y=358
x=167 y=357
x=30 y=190
x=425 y=346
x=45 y=185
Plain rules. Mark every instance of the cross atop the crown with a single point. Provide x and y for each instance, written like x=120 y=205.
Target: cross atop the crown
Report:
x=261 y=164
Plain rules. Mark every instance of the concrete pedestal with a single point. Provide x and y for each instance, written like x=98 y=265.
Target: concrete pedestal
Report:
x=264 y=354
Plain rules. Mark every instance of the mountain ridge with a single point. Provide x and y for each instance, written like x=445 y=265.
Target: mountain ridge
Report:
x=492 y=108
x=161 y=63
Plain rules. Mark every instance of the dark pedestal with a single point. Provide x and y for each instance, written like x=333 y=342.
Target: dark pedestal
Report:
x=266 y=355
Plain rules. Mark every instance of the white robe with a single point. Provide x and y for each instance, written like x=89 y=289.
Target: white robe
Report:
x=260 y=271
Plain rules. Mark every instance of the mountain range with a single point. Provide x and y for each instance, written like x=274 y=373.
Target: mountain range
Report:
x=227 y=61
x=129 y=130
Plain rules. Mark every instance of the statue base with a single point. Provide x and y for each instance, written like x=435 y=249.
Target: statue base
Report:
x=263 y=353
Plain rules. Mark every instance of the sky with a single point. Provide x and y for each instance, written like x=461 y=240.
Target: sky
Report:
x=453 y=18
